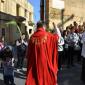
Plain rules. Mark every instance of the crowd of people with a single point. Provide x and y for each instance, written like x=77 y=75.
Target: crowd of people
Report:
x=11 y=57
x=46 y=54
x=71 y=47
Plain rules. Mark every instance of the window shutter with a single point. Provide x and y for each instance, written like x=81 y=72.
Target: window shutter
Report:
x=2 y=0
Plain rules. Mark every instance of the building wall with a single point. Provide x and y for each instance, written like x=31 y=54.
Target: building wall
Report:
x=10 y=7
x=71 y=7
x=76 y=8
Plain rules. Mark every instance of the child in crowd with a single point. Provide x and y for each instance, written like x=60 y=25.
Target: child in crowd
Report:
x=8 y=67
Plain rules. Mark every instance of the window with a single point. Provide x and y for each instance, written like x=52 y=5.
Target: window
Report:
x=3 y=32
x=30 y=31
x=17 y=9
x=25 y=13
x=19 y=25
x=2 y=0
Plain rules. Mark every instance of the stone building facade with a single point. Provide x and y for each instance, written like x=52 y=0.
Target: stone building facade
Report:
x=73 y=11
x=20 y=11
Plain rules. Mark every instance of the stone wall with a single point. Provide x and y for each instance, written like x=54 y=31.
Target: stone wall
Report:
x=72 y=7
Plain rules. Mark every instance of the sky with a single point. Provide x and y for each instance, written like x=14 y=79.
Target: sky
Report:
x=36 y=5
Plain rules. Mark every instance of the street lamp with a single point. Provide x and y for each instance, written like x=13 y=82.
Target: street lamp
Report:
x=59 y=4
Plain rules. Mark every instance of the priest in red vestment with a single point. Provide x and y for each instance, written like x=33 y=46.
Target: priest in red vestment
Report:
x=42 y=58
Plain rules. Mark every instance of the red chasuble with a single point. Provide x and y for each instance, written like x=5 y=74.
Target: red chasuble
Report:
x=42 y=59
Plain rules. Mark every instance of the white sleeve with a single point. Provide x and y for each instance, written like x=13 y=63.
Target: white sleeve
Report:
x=24 y=42
x=61 y=41
x=17 y=43
x=57 y=31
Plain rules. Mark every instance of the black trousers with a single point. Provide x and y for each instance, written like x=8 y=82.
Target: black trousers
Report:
x=9 y=80
x=20 y=62
x=60 y=59
x=65 y=56
x=83 y=70
x=78 y=54
x=20 y=56
x=70 y=56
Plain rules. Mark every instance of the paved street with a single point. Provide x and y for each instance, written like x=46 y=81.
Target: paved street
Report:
x=68 y=76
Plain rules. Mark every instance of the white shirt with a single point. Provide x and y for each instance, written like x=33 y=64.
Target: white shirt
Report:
x=22 y=42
